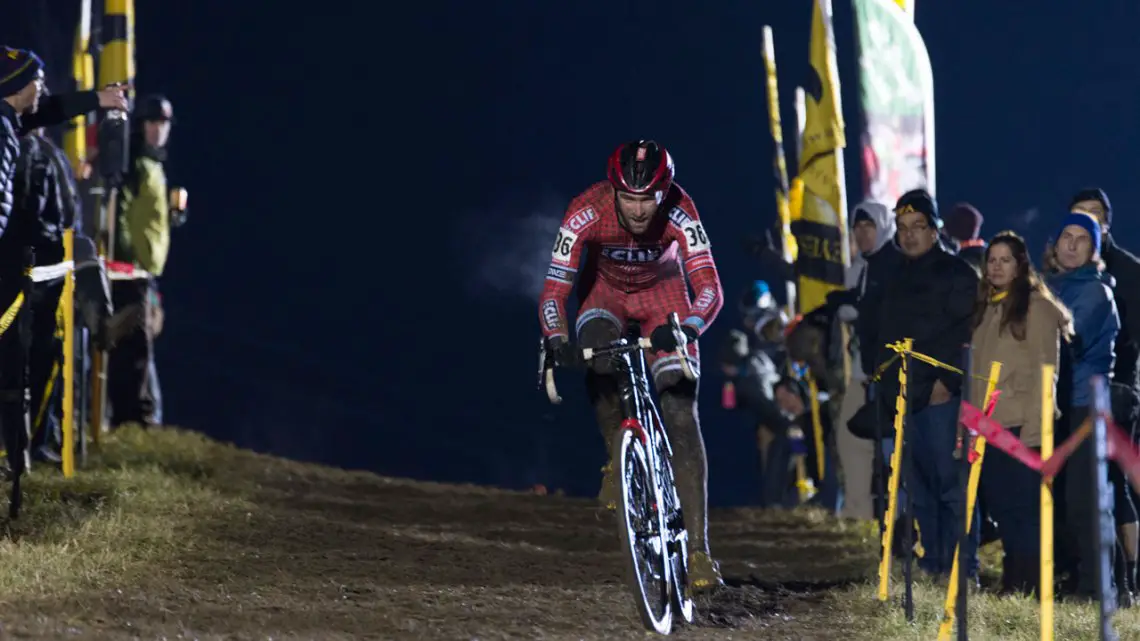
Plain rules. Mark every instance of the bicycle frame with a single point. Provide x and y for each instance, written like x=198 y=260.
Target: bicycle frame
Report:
x=638 y=410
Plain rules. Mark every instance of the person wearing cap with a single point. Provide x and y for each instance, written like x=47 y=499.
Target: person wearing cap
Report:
x=1081 y=283
x=1124 y=267
x=143 y=240
x=964 y=226
x=930 y=300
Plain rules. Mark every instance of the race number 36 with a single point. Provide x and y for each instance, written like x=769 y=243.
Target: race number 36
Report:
x=695 y=235
x=564 y=245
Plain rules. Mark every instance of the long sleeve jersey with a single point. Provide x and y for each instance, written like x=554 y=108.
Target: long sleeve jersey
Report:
x=674 y=247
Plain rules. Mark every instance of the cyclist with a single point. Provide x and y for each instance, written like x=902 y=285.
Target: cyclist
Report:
x=642 y=237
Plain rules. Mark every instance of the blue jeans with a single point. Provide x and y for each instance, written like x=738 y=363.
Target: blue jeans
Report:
x=936 y=481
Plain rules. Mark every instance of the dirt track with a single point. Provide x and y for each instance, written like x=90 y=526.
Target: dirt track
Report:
x=323 y=554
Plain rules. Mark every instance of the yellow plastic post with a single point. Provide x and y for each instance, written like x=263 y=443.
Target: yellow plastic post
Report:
x=817 y=427
x=1046 y=589
x=69 y=357
x=947 y=626
x=893 y=485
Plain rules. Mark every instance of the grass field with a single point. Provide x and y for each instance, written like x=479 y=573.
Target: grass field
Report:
x=170 y=535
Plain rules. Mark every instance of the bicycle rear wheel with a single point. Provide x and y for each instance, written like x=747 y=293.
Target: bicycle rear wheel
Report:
x=641 y=529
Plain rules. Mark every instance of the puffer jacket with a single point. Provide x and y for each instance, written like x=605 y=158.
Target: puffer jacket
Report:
x=9 y=155
x=45 y=199
x=1087 y=292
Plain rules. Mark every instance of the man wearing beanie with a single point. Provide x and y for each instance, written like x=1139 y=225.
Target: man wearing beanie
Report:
x=930 y=299
x=1081 y=284
x=964 y=225
x=1124 y=268
x=21 y=85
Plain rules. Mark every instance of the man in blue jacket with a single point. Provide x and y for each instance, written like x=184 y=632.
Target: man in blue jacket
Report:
x=1082 y=285
x=1124 y=268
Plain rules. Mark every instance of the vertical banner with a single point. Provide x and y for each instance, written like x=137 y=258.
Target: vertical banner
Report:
x=821 y=228
x=896 y=87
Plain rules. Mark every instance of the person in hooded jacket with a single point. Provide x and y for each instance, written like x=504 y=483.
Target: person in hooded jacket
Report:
x=872 y=228
x=882 y=266
x=1082 y=285
x=931 y=300
x=1124 y=267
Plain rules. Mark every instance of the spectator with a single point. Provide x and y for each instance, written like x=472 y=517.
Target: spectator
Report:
x=1084 y=288
x=143 y=240
x=752 y=360
x=872 y=228
x=883 y=264
x=1124 y=268
x=21 y=83
x=964 y=225
x=794 y=400
x=931 y=300
x=1018 y=323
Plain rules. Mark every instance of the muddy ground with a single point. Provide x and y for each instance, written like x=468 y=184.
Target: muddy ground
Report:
x=311 y=553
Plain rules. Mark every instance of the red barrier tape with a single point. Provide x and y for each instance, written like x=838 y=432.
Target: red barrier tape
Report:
x=1053 y=466
x=1120 y=446
x=1123 y=451
x=997 y=436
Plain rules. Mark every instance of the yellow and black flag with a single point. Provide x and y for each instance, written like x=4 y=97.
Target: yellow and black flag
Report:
x=820 y=224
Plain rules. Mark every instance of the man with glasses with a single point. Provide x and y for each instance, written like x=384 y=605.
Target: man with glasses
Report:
x=931 y=300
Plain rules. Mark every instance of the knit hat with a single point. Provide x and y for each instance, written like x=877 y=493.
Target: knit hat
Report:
x=1087 y=221
x=1097 y=194
x=18 y=68
x=964 y=222
x=920 y=201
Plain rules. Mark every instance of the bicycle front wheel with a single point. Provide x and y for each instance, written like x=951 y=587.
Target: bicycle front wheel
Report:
x=641 y=529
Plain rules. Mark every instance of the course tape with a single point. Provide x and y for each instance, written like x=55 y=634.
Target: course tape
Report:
x=1120 y=446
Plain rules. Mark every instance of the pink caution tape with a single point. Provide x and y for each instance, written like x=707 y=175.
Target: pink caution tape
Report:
x=999 y=437
x=1123 y=451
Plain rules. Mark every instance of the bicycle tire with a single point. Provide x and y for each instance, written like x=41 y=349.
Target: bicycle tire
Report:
x=634 y=475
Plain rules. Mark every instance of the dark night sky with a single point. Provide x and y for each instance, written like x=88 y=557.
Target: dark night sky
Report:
x=366 y=185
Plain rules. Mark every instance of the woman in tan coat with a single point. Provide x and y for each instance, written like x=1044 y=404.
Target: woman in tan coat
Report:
x=1020 y=324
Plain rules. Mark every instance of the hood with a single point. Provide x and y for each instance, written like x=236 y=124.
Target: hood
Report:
x=883 y=218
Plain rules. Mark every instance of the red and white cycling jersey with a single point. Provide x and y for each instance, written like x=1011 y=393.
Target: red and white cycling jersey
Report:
x=624 y=276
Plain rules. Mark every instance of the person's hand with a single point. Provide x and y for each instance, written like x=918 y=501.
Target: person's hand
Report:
x=113 y=97
x=563 y=353
x=664 y=340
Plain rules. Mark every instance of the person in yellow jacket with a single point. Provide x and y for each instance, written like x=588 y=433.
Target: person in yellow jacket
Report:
x=142 y=231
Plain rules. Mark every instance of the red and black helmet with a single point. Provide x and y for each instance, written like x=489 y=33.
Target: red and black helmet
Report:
x=641 y=167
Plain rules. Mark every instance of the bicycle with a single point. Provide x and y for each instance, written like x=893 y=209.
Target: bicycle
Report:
x=651 y=526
